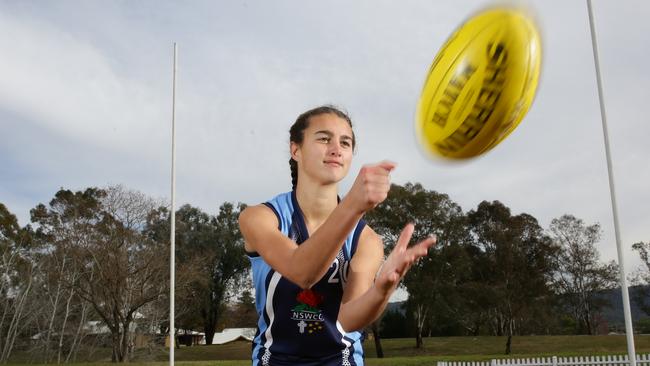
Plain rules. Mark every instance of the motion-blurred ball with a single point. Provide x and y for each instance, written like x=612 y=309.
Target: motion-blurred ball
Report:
x=480 y=85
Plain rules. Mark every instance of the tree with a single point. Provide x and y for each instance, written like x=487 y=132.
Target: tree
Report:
x=18 y=268
x=211 y=260
x=226 y=265
x=62 y=311
x=432 y=281
x=513 y=262
x=580 y=275
x=242 y=313
x=192 y=225
x=642 y=293
x=61 y=315
x=120 y=269
x=394 y=324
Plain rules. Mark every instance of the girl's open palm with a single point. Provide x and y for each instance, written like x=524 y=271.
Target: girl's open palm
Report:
x=401 y=259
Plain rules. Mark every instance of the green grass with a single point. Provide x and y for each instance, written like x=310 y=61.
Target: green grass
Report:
x=494 y=347
x=398 y=352
x=448 y=348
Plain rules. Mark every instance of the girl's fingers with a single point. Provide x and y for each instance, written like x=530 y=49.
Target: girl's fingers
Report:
x=405 y=237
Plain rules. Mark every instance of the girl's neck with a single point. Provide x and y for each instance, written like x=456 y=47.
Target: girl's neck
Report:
x=316 y=203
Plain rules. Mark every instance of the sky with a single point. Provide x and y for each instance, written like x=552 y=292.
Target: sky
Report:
x=86 y=92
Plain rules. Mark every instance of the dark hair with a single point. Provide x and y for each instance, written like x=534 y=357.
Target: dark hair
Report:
x=296 y=132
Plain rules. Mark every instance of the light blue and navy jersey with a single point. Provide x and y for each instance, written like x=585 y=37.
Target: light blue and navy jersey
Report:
x=300 y=327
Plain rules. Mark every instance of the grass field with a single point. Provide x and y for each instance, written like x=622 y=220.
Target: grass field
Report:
x=400 y=352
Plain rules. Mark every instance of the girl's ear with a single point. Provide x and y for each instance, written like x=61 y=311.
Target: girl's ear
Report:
x=294 y=148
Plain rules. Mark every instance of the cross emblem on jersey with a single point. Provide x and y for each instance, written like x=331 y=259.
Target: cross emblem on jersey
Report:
x=301 y=326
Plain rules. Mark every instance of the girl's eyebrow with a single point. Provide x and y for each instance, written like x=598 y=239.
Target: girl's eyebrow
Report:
x=330 y=134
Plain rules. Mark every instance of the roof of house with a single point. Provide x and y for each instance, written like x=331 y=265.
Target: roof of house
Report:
x=233 y=334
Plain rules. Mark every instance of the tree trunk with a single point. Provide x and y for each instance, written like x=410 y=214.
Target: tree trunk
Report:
x=211 y=314
x=6 y=265
x=420 y=316
x=509 y=341
x=115 y=344
x=78 y=334
x=55 y=307
x=119 y=350
x=588 y=323
x=12 y=332
x=125 y=343
x=209 y=332
x=375 y=334
x=4 y=316
x=65 y=321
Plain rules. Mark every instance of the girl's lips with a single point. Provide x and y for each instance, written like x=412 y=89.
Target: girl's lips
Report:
x=333 y=163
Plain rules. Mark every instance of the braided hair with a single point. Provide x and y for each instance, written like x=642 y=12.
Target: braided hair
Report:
x=296 y=132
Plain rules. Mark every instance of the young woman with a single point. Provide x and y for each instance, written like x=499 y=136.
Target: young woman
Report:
x=316 y=264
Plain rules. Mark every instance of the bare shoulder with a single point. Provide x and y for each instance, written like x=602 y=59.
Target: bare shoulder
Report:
x=255 y=222
x=369 y=238
x=252 y=214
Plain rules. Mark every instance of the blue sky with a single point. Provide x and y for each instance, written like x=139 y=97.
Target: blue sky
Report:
x=85 y=100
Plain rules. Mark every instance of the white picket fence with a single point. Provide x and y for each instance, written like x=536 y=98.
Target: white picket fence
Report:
x=618 y=360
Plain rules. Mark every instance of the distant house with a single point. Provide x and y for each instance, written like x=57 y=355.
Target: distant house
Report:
x=98 y=330
x=233 y=334
x=187 y=338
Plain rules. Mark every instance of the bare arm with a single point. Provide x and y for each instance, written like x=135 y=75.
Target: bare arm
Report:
x=361 y=305
x=305 y=264
x=302 y=264
x=364 y=301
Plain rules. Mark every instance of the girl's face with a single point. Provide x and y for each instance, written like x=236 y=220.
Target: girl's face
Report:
x=326 y=151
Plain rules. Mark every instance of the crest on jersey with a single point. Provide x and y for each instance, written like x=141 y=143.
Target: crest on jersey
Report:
x=307 y=314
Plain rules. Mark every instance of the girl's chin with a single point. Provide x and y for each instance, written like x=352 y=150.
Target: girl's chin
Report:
x=332 y=179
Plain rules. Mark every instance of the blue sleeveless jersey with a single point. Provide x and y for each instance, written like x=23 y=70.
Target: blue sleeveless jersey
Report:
x=297 y=327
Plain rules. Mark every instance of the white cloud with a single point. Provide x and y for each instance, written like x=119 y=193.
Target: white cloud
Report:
x=88 y=89
x=63 y=84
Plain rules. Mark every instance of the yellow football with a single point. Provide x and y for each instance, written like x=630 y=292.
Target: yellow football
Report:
x=480 y=85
